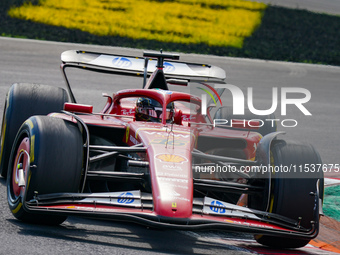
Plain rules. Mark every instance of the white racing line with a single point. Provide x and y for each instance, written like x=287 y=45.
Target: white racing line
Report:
x=332 y=181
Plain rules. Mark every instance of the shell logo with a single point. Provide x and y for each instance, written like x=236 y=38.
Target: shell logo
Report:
x=171 y=158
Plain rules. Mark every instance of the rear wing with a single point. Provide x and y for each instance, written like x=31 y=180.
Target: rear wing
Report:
x=175 y=72
x=127 y=65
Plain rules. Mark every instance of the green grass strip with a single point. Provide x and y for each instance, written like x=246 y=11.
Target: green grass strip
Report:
x=331 y=204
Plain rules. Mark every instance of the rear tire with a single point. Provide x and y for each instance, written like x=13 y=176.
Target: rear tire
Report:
x=291 y=191
x=50 y=151
x=23 y=101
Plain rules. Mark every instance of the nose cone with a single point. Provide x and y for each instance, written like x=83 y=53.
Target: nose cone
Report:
x=172 y=185
x=174 y=198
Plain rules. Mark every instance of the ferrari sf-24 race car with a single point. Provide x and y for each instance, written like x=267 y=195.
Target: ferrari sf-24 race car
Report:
x=144 y=156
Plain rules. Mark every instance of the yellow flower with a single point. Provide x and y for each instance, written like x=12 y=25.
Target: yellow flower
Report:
x=212 y=22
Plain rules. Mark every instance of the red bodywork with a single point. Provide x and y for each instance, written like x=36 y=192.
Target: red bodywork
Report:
x=169 y=146
x=166 y=150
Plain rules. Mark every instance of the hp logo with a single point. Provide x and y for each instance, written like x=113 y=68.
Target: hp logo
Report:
x=121 y=62
x=125 y=198
x=216 y=207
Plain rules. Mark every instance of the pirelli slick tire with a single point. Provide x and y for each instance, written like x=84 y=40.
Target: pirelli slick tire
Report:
x=269 y=125
x=293 y=192
x=24 y=100
x=48 y=156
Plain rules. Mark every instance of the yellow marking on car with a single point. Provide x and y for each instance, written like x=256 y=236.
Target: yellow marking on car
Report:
x=149 y=129
x=229 y=221
x=271 y=204
x=171 y=158
x=127 y=132
x=3 y=140
x=16 y=209
x=28 y=179
x=32 y=149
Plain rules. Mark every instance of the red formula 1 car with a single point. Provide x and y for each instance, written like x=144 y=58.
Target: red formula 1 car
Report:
x=154 y=157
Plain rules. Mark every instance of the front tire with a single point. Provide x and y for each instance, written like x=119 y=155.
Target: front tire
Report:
x=291 y=192
x=50 y=152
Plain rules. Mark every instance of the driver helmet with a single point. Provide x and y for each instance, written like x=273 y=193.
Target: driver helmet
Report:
x=148 y=109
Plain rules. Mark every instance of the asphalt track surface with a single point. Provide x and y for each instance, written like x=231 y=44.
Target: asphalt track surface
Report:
x=38 y=62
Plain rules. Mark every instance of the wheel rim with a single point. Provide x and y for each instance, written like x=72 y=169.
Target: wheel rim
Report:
x=22 y=160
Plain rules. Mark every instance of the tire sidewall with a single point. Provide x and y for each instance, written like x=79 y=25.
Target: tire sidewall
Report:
x=293 y=195
x=291 y=192
x=43 y=175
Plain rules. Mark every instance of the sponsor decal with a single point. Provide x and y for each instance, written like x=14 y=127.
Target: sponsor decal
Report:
x=172 y=180
x=91 y=209
x=168 y=68
x=217 y=207
x=172 y=167
x=188 y=117
x=128 y=198
x=128 y=112
x=213 y=206
x=125 y=198
x=174 y=193
x=181 y=198
x=174 y=185
x=133 y=140
x=249 y=224
x=121 y=62
x=177 y=175
x=171 y=158
x=164 y=92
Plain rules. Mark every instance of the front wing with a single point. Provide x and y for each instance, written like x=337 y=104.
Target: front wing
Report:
x=135 y=206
